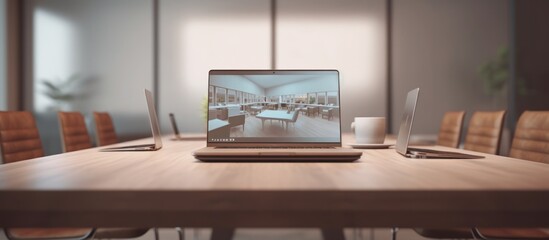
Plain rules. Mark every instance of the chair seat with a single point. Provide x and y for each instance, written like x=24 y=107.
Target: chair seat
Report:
x=462 y=233
x=514 y=233
x=102 y=233
x=47 y=233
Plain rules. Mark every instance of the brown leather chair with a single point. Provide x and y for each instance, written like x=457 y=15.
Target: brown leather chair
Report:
x=74 y=136
x=529 y=143
x=104 y=129
x=483 y=135
x=446 y=233
x=512 y=233
x=531 y=138
x=74 y=133
x=237 y=120
x=19 y=137
x=484 y=132
x=19 y=141
x=450 y=129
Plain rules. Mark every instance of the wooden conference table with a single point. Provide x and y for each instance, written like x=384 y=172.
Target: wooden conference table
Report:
x=170 y=188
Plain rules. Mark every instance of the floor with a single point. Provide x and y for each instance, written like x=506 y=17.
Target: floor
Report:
x=287 y=234
x=305 y=126
x=282 y=234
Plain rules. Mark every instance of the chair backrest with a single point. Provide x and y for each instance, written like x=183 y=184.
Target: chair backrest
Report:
x=484 y=132
x=19 y=137
x=104 y=129
x=450 y=129
x=294 y=117
x=531 y=140
x=74 y=133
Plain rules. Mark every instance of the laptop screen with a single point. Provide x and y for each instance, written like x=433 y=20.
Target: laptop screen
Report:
x=274 y=106
x=406 y=122
x=153 y=118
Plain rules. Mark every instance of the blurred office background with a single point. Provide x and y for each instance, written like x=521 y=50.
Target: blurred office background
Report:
x=464 y=54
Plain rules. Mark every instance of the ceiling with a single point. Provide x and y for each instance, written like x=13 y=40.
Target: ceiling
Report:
x=269 y=81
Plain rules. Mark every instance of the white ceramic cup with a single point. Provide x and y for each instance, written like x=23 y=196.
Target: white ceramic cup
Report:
x=369 y=130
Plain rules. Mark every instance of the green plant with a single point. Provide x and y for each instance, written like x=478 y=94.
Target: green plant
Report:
x=495 y=74
x=205 y=108
x=61 y=90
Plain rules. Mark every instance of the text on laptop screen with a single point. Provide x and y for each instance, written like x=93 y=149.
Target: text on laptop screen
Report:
x=273 y=107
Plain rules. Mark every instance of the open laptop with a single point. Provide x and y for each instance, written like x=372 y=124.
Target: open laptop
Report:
x=175 y=128
x=153 y=120
x=406 y=129
x=274 y=115
x=178 y=137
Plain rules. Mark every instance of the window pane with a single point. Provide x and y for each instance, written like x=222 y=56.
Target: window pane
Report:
x=346 y=35
x=332 y=98
x=300 y=98
x=199 y=35
x=220 y=96
x=322 y=98
x=312 y=98
x=232 y=96
x=211 y=96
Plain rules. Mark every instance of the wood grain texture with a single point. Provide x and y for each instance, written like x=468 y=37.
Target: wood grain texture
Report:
x=169 y=188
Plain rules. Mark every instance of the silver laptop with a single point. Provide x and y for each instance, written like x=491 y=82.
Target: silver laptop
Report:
x=274 y=115
x=178 y=137
x=154 y=128
x=406 y=129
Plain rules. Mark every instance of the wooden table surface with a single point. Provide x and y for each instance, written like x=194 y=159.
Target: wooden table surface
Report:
x=170 y=188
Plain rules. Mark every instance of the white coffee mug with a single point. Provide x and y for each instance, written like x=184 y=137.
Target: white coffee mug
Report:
x=369 y=130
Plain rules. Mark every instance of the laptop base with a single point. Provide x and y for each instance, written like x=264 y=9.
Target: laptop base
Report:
x=144 y=147
x=276 y=159
x=434 y=154
x=212 y=154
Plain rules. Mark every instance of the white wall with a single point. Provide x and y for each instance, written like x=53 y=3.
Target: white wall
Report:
x=239 y=83
x=320 y=84
x=199 y=35
x=3 y=73
x=347 y=35
x=438 y=45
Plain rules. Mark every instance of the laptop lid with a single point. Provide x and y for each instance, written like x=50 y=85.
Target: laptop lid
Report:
x=407 y=121
x=285 y=108
x=153 y=120
x=174 y=125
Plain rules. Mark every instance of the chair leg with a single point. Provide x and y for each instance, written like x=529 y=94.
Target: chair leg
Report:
x=90 y=235
x=394 y=233
x=222 y=233
x=332 y=234
x=476 y=234
x=156 y=234
x=196 y=234
x=181 y=233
